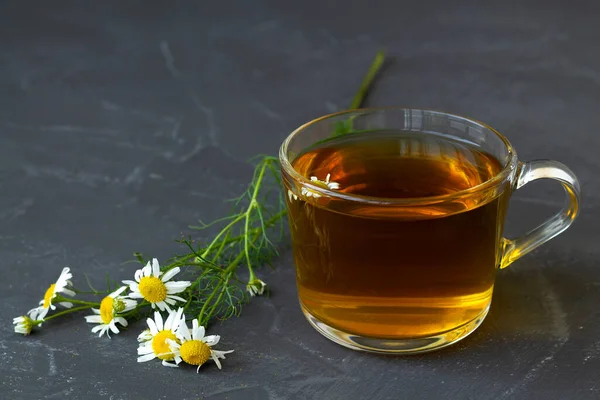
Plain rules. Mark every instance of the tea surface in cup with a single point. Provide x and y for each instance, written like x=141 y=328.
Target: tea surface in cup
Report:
x=396 y=272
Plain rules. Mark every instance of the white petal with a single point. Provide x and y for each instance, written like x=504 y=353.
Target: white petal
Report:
x=68 y=292
x=199 y=333
x=144 y=337
x=184 y=331
x=152 y=326
x=177 y=319
x=147 y=270
x=144 y=350
x=128 y=282
x=168 y=364
x=138 y=275
x=216 y=359
x=98 y=328
x=177 y=287
x=66 y=304
x=169 y=321
x=170 y=273
x=173 y=346
x=113 y=327
x=173 y=297
x=212 y=340
x=195 y=327
x=64 y=277
x=93 y=319
x=135 y=295
x=147 y=357
x=41 y=313
x=155 y=268
x=129 y=304
x=159 y=321
x=121 y=321
x=170 y=301
x=117 y=292
x=221 y=354
x=105 y=331
x=33 y=313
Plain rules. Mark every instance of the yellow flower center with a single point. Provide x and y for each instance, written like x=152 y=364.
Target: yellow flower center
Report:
x=195 y=352
x=48 y=295
x=106 y=309
x=161 y=347
x=153 y=289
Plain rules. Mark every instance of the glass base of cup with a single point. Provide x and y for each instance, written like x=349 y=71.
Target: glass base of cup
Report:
x=395 y=346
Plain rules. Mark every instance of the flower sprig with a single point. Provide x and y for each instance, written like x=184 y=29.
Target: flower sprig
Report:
x=218 y=275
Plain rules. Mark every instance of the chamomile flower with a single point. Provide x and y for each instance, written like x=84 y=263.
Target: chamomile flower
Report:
x=326 y=184
x=60 y=286
x=153 y=340
x=255 y=287
x=23 y=325
x=109 y=313
x=157 y=290
x=195 y=348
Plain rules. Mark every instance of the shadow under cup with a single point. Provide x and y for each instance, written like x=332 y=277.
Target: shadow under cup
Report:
x=396 y=218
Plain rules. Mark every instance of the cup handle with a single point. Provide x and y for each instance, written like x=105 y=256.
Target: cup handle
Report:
x=541 y=169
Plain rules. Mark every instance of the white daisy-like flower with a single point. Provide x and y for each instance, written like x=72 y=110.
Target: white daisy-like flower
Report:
x=60 y=286
x=157 y=290
x=109 y=313
x=153 y=340
x=326 y=184
x=195 y=348
x=256 y=287
x=23 y=325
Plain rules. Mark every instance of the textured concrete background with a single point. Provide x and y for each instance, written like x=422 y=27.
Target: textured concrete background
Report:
x=99 y=99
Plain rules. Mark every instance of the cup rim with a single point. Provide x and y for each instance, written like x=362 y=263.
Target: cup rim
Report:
x=296 y=176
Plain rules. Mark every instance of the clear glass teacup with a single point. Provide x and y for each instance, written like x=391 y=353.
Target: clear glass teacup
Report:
x=396 y=217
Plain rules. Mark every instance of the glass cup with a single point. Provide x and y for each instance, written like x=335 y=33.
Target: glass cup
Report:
x=406 y=274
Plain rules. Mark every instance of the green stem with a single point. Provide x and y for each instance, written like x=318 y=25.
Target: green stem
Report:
x=268 y=223
x=368 y=80
x=203 y=318
x=251 y=206
x=75 y=301
x=94 y=292
x=70 y=310
x=185 y=263
x=218 y=301
x=229 y=225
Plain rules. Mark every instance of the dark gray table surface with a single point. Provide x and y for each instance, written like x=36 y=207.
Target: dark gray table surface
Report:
x=122 y=123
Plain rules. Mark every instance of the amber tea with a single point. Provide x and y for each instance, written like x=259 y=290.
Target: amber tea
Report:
x=397 y=224
x=396 y=272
